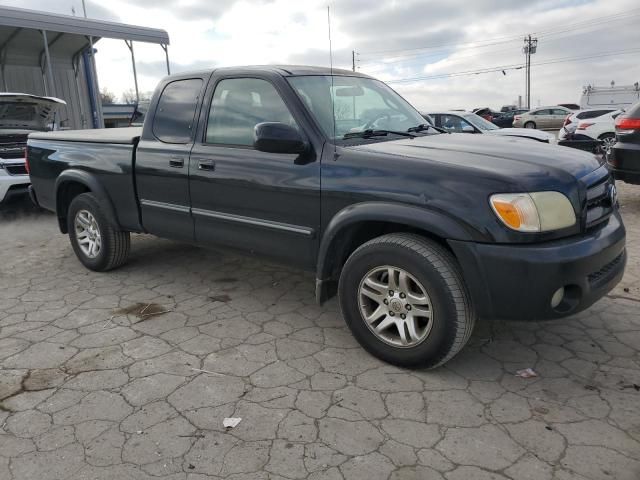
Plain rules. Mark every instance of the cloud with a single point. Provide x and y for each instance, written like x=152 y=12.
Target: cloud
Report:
x=395 y=40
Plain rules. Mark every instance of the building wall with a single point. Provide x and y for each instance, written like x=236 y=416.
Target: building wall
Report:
x=21 y=77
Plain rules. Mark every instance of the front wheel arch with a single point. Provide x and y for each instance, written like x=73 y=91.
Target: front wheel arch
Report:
x=357 y=224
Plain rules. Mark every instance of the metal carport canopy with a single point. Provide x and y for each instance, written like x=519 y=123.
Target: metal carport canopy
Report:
x=21 y=18
x=27 y=37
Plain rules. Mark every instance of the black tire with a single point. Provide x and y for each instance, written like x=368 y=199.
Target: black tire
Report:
x=438 y=271
x=114 y=250
x=530 y=125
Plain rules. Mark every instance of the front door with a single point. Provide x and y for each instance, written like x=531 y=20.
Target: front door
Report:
x=162 y=160
x=254 y=201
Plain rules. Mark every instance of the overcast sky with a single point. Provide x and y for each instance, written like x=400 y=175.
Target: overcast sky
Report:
x=396 y=40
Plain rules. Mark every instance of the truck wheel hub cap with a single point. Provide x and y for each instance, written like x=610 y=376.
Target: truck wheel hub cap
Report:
x=395 y=306
x=87 y=233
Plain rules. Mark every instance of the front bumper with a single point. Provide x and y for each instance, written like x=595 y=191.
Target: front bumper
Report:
x=12 y=185
x=517 y=282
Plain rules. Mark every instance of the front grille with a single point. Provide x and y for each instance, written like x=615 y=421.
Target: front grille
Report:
x=598 y=204
x=16 y=169
x=602 y=275
x=12 y=146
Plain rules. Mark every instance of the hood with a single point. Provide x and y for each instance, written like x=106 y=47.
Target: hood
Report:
x=498 y=155
x=525 y=133
x=26 y=111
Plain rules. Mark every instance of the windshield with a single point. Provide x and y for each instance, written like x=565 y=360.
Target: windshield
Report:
x=479 y=122
x=355 y=104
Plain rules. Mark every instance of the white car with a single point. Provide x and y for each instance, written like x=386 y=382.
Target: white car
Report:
x=20 y=114
x=465 y=122
x=600 y=128
x=572 y=120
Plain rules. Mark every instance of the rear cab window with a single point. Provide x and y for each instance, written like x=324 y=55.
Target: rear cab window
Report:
x=175 y=113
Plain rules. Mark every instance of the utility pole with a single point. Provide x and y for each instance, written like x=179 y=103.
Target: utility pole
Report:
x=353 y=60
x=530 y=47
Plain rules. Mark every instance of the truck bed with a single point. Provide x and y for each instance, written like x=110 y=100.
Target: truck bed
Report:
x=118 y=136
x=104 y=157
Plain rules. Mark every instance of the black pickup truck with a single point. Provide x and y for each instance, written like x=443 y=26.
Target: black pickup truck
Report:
x=419 y=232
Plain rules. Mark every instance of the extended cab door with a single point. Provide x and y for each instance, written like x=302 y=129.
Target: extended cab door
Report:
x=259 y=202
x=162 y=159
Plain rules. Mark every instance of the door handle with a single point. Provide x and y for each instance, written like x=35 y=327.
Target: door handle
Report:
x=176 y=162
x=209 y=165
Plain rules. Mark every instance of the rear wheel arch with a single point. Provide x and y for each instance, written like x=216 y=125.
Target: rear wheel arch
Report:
x=72 y=183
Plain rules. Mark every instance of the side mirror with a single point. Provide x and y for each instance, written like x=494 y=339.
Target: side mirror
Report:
x=276 y=137
x=468 y=129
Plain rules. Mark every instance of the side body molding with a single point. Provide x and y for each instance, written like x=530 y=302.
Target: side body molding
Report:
x=334 y=236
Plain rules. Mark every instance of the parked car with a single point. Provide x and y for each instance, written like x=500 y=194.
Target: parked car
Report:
x=571 y=121
x=419 y=232
x=568 y=136
x=624 y=159
x=600 y=128
x=20 y=114
x=466 y=122
x=505 y=119
x=544 y=118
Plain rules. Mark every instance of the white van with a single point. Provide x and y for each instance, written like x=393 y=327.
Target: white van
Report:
x=609 y=97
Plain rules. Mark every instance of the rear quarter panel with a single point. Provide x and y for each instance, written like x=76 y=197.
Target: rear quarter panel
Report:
x=110 y=165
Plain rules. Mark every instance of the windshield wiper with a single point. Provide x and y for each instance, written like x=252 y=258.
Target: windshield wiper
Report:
x=377 y=133
x=426 y=126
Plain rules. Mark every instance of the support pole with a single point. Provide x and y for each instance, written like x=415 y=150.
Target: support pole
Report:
x=165 y=47
x=135 y=73
x=530 y=47
x=75 y=63
x=353 y=60
x=52 y=87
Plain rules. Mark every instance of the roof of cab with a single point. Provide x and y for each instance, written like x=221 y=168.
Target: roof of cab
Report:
x=284 y=70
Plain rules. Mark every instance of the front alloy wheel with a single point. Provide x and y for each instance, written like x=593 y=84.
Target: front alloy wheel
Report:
x=395 y=306
x=404 y=299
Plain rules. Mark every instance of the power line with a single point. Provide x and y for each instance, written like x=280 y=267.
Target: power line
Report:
x=419 y=57
x=516 y=66
x=507 y=39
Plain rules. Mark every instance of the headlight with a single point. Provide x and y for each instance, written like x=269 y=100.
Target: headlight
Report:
x=533 y=212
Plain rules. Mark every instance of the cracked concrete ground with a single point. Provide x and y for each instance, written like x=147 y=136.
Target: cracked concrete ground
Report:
x=92 y=386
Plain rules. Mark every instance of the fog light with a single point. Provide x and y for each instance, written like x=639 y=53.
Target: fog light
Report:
x=557 y=297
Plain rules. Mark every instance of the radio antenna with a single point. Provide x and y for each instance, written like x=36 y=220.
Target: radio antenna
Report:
x=333 y=103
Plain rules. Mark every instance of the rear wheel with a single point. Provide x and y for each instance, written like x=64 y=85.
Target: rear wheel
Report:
x=97 y=244
x=608 y=141
x=530 y=125
x=404 y=300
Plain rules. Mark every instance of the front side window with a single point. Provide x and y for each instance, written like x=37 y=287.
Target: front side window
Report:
x=480 y=123
x=343 y=104
x=541 y=112
x=454 y=123
x=175 y=113
x=238 y=105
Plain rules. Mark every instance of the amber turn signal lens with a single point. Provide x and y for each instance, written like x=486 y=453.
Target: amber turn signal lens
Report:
x=508 y=213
